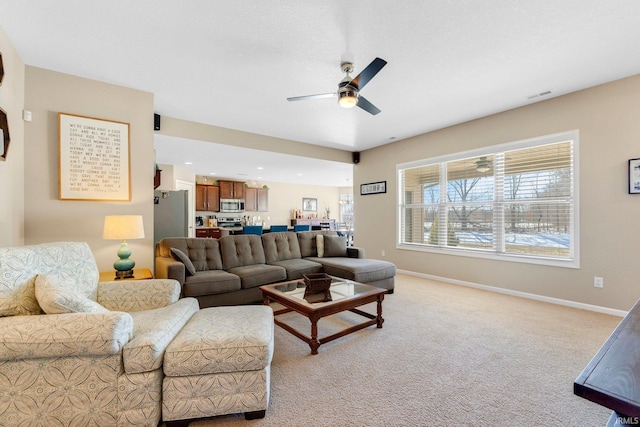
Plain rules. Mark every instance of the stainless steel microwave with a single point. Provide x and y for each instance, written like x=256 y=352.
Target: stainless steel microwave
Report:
x=231 y=205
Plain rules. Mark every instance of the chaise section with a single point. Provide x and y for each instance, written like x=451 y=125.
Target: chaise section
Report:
x=330 y=250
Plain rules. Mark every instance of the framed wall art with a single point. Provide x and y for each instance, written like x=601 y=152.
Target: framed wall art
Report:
x=93 y=159
x=634 y=176
x=373 y=188
x=4 y=135
x=309 y=205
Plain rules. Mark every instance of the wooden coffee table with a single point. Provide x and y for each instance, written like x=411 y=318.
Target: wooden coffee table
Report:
x=346 y=295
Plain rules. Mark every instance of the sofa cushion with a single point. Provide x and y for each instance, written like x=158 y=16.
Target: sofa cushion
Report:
x=334 y=246
x=320 y=245
x=241 y=250
x=19 y=267
x=182 y=257
x=357 y=269
x=203 y=253
x=307 y=242
x=280 y=246
x=153 y=330
x=57 y=295
x=297 y=267
x=222 y=339
x=258 y=274
x=210 y=282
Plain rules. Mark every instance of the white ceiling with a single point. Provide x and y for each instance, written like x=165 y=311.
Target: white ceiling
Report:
x=233 y=63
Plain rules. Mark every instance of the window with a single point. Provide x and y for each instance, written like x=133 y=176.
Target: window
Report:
x=514 y=201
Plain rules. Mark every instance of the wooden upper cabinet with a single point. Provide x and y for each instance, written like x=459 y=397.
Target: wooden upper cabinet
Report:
x=231 y=190
x=256 y=199
x=251 y=200
x=207 y=198
x=263 y=199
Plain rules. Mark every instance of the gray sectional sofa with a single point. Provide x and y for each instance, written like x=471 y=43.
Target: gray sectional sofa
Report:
x=230 y=270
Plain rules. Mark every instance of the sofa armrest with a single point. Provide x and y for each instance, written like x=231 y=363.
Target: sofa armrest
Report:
x=169 y=268
x=63 y=335
x=354 y=252
x=138 y=295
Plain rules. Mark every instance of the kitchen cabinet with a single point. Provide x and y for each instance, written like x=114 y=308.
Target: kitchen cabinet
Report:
x=231 y=189
x=256 y=199
x=207 y=198
x=215 y=233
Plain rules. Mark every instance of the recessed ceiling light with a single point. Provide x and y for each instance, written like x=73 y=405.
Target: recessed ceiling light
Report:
x=260 y=168
x=188 y=163
x=212 y=173
x=299 y=174
x=536 y=95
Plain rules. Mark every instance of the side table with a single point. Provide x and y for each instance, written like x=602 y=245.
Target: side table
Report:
x=138 y=274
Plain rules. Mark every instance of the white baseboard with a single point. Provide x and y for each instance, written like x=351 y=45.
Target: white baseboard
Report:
x=573 y=304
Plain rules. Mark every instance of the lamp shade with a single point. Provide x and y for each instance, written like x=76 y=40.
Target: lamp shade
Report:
x=123 y=227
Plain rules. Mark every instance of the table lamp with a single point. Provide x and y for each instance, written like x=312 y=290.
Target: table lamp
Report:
x=123 y=227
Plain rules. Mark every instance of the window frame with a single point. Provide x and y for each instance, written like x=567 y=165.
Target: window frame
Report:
x=498 y=150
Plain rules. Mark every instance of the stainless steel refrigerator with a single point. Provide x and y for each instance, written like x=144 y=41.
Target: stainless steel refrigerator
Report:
x=170 y=212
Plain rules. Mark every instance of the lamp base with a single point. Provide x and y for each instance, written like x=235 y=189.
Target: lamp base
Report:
x=124 y=274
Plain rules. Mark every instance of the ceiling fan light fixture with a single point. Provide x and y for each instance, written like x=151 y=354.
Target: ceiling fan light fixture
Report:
x=347 y=97
x=483 y=165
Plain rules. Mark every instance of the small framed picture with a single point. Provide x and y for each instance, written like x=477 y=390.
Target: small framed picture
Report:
x=309 y=205
x=634 y=176
x=373 y=188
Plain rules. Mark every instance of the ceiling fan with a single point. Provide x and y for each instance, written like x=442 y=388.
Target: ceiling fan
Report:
x=483 y=164
x=349 y=88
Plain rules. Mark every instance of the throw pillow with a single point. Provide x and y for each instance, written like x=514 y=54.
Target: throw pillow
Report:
x=18 y=300
x=57 y=295
x=181 y=256
x=320 y=245
x=335 y=245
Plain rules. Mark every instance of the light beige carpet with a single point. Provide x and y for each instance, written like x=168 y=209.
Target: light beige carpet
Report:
x=446 y=356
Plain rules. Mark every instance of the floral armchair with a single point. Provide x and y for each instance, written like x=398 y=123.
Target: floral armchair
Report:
x=74 y=351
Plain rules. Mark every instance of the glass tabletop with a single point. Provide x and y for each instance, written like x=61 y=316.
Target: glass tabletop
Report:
x=340 y=289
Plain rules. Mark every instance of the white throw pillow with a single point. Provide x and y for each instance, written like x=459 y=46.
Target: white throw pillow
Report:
x=320 y=245
x=57 y=295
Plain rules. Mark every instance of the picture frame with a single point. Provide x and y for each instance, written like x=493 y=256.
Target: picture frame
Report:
x=373 y=188
x=5 y=139
x=94 y=159
x=309 y=204
x=634 y=176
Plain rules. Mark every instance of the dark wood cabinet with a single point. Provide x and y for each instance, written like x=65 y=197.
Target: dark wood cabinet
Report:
x=231 y=190
x=256 y=199
x=207 y=198
x=215 y=233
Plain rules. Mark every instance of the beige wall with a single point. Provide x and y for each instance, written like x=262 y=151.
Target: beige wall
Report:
x=49 y=219
x=203 y=132
x=607 y=118
x=12 y=170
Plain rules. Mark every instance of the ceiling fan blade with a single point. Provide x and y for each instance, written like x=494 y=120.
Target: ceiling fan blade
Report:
x=367 y=106
x=318 y=96
x=368 y=73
